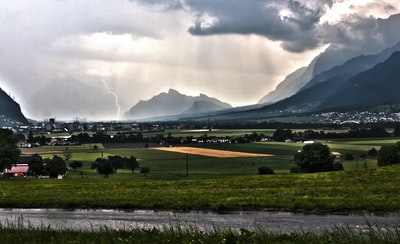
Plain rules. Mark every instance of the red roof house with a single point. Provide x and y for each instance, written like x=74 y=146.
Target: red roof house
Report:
x=18 y=170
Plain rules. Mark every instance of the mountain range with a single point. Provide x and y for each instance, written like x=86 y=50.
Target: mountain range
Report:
x=362 y=82
x=173 y=103
x=349 y=87
x=329 y=82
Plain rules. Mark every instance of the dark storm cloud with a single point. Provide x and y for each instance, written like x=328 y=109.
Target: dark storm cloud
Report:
x=290 y=21
x=296 y=23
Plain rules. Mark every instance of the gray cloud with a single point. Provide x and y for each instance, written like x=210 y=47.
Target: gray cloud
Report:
x=292 y=22
x=296 y=23
x=297 y=30
x=143 y=47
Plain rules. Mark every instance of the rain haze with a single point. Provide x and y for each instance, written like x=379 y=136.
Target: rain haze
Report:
x=96 y=59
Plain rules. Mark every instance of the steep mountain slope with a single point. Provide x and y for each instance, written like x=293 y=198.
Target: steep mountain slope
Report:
x=353 y=66
x=289 y=86
x=10 y=110
x=374 y=87
x=174 y=103
x=203 y=106
x=335 y=55
x=326 y=84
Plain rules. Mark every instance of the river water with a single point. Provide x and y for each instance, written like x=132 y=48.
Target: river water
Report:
x=279 y=222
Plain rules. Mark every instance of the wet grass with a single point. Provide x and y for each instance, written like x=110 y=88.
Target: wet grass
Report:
x=15 y=234
x=364 y=190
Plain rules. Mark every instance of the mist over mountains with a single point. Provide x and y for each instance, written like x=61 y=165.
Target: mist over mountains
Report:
x=358 y=75
x=175 y=103
x=361 y=82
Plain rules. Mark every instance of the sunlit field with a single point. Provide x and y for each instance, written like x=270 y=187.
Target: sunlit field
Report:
x=174 y=164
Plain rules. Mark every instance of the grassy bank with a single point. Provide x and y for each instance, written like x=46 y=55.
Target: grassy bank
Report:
x=369 y=189
x=192 y=235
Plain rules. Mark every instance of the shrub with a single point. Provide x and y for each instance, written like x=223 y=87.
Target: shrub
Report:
x=387 y=155
x=265 y=171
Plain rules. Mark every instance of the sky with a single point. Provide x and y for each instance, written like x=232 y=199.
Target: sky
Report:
x=94 y=60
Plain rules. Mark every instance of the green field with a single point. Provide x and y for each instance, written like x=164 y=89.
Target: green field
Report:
x=212 y=184
x=181 y=181
x=171 y=165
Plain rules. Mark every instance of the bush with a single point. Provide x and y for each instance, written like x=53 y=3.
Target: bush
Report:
x=348 y=157
x=387 y=155
x=337 y=166
x=265 y=171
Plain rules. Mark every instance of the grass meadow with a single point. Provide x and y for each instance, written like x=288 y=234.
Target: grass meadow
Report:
x=191 y=182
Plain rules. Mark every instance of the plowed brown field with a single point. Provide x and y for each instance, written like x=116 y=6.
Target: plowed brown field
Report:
x=211 y=152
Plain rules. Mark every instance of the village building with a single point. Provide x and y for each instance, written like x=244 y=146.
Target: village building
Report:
x=17 y=170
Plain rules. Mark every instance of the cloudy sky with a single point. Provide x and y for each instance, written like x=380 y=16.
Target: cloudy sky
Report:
x=96 y=59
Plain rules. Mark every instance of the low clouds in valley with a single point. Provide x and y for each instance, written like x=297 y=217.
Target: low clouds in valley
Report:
x=96 y=59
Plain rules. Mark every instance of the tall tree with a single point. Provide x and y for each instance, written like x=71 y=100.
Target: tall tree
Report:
x=67 y=154
x=9 y=152
x=314 y=157
x=104 y=167
x=55 y=166
x=132 y=164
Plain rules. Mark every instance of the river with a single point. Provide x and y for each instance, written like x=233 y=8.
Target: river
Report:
x=281 y=222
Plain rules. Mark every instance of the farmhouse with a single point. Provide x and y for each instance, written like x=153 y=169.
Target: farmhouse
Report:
x=17 y=170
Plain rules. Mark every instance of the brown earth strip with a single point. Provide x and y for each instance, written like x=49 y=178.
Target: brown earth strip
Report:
x=41 y=152
x=211 y=152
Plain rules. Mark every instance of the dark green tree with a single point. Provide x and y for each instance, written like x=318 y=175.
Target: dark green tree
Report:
x=348 y=157
x=314 y=157
x=67 y=154
x=132 y=164
x=372 y=152
x=55 y=166
x=9 y=152
x=104 y=168
x=144 y=171
x=388 y=154
x=36 y=166
x=117 y=162
x=396 y=131
x=282 y=135
x=75 y=164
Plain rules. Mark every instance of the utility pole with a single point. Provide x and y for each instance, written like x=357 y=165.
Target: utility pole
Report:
x=187 y=165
